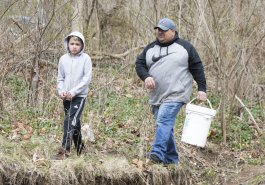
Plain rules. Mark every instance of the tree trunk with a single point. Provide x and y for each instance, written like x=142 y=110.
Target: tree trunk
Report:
x=78 y=16
x=35 y=68
x=33 y=91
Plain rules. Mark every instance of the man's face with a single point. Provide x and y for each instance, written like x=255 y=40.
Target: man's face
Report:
x=164 y=36
x=74 y=45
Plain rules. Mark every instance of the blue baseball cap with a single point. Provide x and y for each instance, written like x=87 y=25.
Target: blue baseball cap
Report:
x=166 y=24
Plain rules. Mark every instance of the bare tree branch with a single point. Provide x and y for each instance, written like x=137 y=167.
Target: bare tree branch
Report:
x=251 y=116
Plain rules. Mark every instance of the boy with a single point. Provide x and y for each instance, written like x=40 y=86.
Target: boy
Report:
x=74 y=76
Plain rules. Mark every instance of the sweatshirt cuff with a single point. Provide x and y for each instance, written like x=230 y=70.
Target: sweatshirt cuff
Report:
x=202 y=89
x=60 y=92
x=72 y=93
x=146 y=76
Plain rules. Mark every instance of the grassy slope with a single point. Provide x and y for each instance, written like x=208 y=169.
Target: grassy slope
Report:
x=118 y=112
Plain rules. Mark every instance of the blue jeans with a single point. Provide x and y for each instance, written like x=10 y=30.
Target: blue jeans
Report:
x=164 y=146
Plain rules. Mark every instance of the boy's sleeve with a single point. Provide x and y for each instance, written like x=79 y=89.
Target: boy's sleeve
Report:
x=60 y=78
x=85 y=80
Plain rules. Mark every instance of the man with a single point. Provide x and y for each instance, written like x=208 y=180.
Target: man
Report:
x=167 y=66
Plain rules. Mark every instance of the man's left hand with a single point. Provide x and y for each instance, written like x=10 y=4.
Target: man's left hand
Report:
x=201 y=96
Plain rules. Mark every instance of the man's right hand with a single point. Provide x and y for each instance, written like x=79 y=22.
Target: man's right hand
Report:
x=149 y=83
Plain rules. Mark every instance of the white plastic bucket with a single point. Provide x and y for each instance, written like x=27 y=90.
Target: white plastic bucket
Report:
x=197 y=124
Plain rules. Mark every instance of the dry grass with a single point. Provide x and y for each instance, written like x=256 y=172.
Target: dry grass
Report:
x=25 y=164
x=24 y=169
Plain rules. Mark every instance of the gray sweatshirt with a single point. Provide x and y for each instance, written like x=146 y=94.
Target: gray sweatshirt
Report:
x=74 y=71
x=173 y=66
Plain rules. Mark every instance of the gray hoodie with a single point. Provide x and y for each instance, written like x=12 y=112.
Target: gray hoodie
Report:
x=74 y=72
x=172 y=65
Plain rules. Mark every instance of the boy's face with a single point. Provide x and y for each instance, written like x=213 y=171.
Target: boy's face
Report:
x=74 y=45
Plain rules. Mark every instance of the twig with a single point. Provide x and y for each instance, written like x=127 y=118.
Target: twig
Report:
x=91 y=12
x=119 y=56
x=251 y=116
x=8 y=9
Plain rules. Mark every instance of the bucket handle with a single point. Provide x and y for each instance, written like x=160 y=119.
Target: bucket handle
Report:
x=207 y=101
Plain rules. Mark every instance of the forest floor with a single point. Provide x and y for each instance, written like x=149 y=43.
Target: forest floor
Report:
x=124 y=129
x=29 y=162
x=249 y=175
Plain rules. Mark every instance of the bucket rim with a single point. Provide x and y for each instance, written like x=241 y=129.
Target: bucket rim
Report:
x=195 y=109
x=207 y=101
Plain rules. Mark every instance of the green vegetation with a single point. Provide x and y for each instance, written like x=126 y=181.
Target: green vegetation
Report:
x=123 y=126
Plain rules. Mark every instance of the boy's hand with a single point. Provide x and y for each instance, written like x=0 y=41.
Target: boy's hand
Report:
x=68 y=96
x=63 y=95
